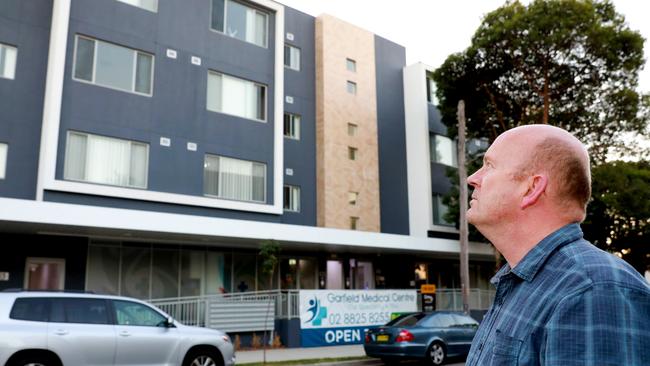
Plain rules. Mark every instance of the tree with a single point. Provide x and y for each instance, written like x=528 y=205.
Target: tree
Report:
x=269 y=252
x=618 y=216
x=570 y=63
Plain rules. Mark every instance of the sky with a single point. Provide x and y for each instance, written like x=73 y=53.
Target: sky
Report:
x=431 y=30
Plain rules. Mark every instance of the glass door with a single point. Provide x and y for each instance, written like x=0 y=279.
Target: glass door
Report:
x=45 y=273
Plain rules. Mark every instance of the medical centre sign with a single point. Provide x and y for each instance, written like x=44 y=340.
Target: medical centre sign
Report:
x=336 y=317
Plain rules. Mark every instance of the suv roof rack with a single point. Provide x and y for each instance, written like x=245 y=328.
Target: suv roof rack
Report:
x=18 y=289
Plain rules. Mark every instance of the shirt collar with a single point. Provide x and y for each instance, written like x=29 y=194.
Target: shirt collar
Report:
x=528 y=267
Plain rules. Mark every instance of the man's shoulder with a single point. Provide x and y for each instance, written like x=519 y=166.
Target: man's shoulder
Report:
x=597 y=268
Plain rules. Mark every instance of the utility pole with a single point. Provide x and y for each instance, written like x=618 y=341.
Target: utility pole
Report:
x=462 y=174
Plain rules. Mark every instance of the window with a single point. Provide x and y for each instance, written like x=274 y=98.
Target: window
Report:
x=407 y=320
x=464 y=321
x=353 y=197
x=106 y=160
x=234 y=179
x=292 y=57
x=238 y=97
x=352 y=129
x=135 y=314
x=351 y=65
x=30 y=308
x=240 y=21
x=443 y=150
x=151 y=5
x=444 y=320
x=113 y=66
x=354 y=223
x=7 y=61
x=431 y=90
x=439 y=211
x=292 y=126
x=3 y=159
x=292 y=198
x=86 y=311
x=352 y=87
x=352 y=153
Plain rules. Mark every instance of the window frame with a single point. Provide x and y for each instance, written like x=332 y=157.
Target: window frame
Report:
x=351 y=62
x=293 y=206
x=131 y=142
x=258 y=9
x=141 y=7
x=4 y=158
x=431 y=89
x=136 y=52
x=15 y=61
x=433 y=150
x=354 y=222
x=438 y=217
x=263 y=201
x=255 y=83
x=292 y=48
x=351 y=87
x=352 y=129
x=294 y=126
x=352 y=153
x=353 y=198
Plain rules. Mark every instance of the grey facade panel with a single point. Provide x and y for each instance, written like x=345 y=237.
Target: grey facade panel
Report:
x=26 y=26
x=300 y=155
x=390 y=59
x=177 y=109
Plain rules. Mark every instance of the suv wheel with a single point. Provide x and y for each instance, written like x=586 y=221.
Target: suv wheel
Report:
x=202 y=358
x=33 y=361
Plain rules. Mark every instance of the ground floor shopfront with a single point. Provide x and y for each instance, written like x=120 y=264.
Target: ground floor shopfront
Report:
x=152 y=270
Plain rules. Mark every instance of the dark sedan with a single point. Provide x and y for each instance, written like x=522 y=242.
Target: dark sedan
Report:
x=431 y=337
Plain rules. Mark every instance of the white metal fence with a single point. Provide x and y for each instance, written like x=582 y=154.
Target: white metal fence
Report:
x=256 y=311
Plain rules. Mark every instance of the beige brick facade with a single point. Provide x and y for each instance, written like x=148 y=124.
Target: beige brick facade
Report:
x=337 y=175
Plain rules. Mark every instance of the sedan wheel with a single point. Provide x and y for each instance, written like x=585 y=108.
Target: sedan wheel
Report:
x=437 y=354
x=203 y=361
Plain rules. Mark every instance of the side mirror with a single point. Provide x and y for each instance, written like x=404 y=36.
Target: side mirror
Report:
x=169 y=322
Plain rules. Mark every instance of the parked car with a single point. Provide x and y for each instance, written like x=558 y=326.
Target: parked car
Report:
x=78 y=329
x=431 y=337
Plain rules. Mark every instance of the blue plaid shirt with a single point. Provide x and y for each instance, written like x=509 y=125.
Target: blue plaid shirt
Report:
x=566 y=303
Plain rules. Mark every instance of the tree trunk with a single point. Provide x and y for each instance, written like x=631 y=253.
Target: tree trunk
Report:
x=462 y=172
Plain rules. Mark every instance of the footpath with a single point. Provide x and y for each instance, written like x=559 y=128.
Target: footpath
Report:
x=293 y=354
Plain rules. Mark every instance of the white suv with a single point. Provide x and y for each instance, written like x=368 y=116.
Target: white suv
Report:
x=79 y=329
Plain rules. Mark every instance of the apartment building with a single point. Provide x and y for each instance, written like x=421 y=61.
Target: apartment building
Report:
x=148 y=147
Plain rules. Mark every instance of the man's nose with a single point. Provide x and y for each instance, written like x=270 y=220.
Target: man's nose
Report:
x=473 y=180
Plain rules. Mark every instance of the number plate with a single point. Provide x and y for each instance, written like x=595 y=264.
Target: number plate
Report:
x=382 y=338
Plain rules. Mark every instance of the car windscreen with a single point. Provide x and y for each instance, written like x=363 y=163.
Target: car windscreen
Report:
x=30 y=308
x=407 y=320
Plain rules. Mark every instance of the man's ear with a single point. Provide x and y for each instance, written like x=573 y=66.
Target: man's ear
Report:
x=537 y=186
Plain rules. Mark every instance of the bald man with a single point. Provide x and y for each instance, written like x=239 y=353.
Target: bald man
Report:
x=559 y=299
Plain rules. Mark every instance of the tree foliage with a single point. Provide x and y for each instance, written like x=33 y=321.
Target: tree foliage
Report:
x=269 y=254
x=570 y=63
x=618 y=216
